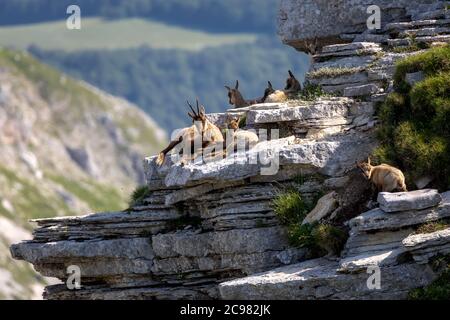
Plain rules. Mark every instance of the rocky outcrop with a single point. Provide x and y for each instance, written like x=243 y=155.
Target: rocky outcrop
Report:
x=208 y=230
x=203 y=224
x=352 y=60
x=335 y=21
x=400 y=255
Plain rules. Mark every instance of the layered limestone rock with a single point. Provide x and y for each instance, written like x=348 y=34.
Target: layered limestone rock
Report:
x=207 y=230
x=338 y=21
x=204 y=223
x=348 y=58
x=377 y=239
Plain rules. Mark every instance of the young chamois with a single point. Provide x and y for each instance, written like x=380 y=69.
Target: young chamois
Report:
x=239 y=137
x=293 y=86
x=236 y=99
x=384 y=177
x=202 y=134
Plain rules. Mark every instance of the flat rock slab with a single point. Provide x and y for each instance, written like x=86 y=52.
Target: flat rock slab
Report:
x=377 y=219
x=319 y=279
x=405 y=201
x=331 y=157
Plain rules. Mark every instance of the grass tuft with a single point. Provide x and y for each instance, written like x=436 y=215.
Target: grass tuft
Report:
x=415 y=130
x=139 y=195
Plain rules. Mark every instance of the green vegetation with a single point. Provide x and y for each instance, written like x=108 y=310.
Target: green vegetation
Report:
x=139 y=195
x=243 y=122
x=438 y=289
x=431 y=227
x=311 y=92
x=290 y=207
x=415 y=127
x=97 y=34
x=98 y=197
x=319 y=238
x=28 y=200
x=329 y=72
x=159 y=81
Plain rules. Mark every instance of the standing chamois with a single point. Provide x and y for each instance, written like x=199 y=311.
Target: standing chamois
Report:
x=293 y=86
x=236 y=99
x=239 y=137
x=202 y=133
x=384 y=177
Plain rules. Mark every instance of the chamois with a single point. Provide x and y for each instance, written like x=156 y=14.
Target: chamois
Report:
x=202 y=133
x=238 y=136
x=293 y=86
x=384 y=177
x=236 y=99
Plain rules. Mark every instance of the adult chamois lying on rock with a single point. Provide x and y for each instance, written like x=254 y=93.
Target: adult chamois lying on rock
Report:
x=384 y=177
x=236 y=99
x=201 y=135
x=239 y=138
x=293 y=86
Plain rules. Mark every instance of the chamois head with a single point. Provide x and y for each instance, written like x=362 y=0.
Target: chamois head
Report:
x=269 y=90
x=198 y=117
x=235 y=97
x=233 y=123
x=365 y=168
x=292 y=84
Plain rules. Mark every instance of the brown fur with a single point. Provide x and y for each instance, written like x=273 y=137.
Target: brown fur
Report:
x=202 y=131
x=250 y=138
x=384 y=177
x=293 y=86
x=236 y=99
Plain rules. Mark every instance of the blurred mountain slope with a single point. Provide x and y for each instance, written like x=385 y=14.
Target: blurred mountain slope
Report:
x=65 y=148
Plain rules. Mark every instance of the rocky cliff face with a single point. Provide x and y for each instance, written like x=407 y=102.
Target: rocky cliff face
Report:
x=339 y=21
x=208 y=231
x=65 y=148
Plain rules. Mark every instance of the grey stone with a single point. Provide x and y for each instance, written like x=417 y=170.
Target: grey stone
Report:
x=319 y=279
x=424 y=247
x=423 y=182
x=377 y=219
x=364 y=90
x=325 y=206
x=413 y=78
x=317 y=110
x=404 y=201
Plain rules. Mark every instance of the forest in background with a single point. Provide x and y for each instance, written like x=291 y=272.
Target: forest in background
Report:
x=161 y=80
x=210 y=15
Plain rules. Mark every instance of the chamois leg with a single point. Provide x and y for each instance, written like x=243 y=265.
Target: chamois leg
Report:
x=162 y=155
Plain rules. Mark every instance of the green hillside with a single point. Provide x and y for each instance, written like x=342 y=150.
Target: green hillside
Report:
x=98 y=34
x=65 y=149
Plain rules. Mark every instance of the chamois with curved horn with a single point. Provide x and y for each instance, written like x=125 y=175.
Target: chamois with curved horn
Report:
x=202 y=133
x=240 y=137
x=293 y=86
x=236 y=99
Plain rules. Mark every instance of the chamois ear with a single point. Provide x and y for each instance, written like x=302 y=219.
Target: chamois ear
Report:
x=202 y=111
x=237 y=84
x=228 y=88
x=368 y=161
x=270 y=84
